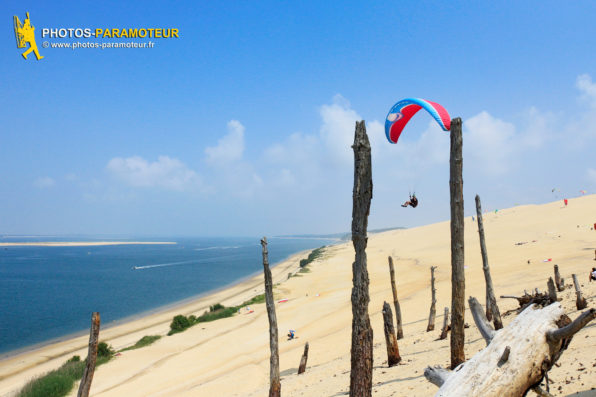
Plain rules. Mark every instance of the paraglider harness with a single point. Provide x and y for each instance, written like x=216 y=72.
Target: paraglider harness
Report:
x=413 y=202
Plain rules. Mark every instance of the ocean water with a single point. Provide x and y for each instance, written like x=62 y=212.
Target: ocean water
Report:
x=50 y=292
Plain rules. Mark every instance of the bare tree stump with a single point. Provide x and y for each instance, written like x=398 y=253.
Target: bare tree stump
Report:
x=559 y=282
x=393 y=357
x=433 y=310
x=303 y=360
x=492 y=310
x=87 y=378
x=517 y=357
x=362 y=333
x=580 y=301
x=274 y=378
x=398 y=325
x=552 y=291
x=445 y=329
x=457 y=245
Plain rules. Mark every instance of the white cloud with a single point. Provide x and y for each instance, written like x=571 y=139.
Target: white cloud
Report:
x=229 y=149
x=167 y=173
x=44 y=182
x=337 y=130
x=488 y=141
x=587 y=88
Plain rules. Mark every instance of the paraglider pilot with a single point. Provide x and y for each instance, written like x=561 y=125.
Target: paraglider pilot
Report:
x=413 y=202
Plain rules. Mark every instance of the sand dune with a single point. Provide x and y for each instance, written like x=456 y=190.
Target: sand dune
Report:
x=230 y=357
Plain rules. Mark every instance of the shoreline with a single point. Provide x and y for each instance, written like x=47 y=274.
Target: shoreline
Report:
x=82 y=243
x=251 y=281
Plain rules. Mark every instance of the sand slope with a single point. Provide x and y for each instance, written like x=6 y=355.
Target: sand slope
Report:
x=230 y=357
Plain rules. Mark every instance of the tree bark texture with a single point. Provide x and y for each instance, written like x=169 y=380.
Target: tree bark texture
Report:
x=552 y=291
x=559 y=282
x=303 y=360
x=398 y=323
x=433 y=309
x=492 y=310
x=87 y=378
x=580 y=301
x=362 y=333
x=445 y=329
x=274 y=379
x=393 y=357
x=457 y=245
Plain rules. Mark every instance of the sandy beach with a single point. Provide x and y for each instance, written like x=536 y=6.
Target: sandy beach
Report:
x=230 y=357
x=81 y=243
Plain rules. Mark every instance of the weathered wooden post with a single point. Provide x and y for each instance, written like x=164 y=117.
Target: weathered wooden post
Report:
x=559 y=282
x=433 y=310
x=445 y=329
x=398 y=325
x=87 y=378
x=552 y=291
x=457 y=244
x=580 y=301
x=303 y=360
x=362 y=333
x=274 y=379
x=492 y=310
x=393 y=357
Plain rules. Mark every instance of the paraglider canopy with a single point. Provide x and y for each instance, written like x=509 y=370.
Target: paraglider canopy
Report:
x=404 y=110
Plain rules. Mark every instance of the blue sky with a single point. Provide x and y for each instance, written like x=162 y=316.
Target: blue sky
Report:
x=243 y=125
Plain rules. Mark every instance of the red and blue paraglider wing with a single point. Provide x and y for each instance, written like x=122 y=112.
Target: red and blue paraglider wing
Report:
x=404 y=110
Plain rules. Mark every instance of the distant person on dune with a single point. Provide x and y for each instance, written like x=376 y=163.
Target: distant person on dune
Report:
x=593 y=274
x=413 y=202
x=291 y=334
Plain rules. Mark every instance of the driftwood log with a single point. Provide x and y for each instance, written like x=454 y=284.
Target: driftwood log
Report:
x=398 y=323
x=393 y=357
x=303 y=360
x=458 y=295
x=552 y=291
x=492 y=310
x=361 y=360
x=445 y=329
x=274 y=378
x=87 y=378
x=580 y=301
x=433 y=309
x=537 y=298
x=517 y=357
x=559 y=282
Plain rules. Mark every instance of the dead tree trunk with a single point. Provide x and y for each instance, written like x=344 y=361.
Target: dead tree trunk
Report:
x=362 y=333
x=87 y=378
x=559 y=282
x=580 y=301
x=275 y=383
x=433 y=310
x=516 y=358
x=303 y=360
x=552 y=291
x=398 y=325
x=457 y=245
x=445 y=325
x=492 y=310
x=393 y=357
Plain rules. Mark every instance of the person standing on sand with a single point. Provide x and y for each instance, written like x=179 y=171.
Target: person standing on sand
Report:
x=593 y=274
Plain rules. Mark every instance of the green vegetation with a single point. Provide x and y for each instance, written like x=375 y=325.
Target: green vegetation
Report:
x=59 y=382
x=314 y=254
x=144 y=341
x=181 y=323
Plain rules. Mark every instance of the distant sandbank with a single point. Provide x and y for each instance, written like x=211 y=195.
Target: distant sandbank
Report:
x=81 y=243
